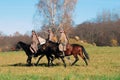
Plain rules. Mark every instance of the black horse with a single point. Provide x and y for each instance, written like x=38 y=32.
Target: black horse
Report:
x=29 y=53
x=52 y=48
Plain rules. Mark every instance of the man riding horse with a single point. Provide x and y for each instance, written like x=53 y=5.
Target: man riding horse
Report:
x=35 y=42
x=51 y=35
x=63 y=40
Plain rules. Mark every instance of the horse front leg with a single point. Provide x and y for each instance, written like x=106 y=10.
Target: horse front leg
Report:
x=39 y=59
x=52 y=59
x=76 y=59
x=29 y=60
x=62 y=58
x=68 y=58
x=48 y=58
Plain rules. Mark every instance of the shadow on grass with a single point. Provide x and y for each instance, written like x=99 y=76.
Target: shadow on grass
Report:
x=30 y=65
x=83 y=65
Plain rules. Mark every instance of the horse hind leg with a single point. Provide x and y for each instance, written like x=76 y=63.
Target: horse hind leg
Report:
x=39 y=59
x=85 y=61
x=83 y=57
x=76 y=59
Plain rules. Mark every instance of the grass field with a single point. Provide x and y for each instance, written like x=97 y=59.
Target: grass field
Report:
x=104 y=64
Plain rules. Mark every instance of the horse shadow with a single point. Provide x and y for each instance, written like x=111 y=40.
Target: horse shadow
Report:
x=30 y=65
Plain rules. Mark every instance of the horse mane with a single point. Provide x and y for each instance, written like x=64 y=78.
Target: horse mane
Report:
x=20 y=42
x=55 y=43
x=23 y=45
x=76 y=45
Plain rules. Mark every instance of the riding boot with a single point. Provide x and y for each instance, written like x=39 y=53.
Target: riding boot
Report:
x=35 y=55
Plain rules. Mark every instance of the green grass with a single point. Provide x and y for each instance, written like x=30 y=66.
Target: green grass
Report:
x=104 y=64
x=57 y=77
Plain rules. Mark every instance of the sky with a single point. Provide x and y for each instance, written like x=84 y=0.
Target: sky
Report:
x=17 y=15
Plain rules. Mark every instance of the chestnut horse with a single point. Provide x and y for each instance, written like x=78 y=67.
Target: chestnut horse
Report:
x=75 y=50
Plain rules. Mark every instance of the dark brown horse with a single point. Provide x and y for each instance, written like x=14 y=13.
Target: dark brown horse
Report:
x=75 y=50
x=51 y=48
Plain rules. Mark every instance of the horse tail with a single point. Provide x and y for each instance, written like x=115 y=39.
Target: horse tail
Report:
x=85 y=53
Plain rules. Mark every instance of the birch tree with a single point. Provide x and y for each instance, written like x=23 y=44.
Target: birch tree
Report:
x=57 y=12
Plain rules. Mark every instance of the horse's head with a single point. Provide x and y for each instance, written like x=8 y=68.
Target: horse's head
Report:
x=18 y=45
x=26 y=48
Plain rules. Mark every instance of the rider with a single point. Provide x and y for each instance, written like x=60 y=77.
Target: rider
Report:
x=51 y=35
x=34 y=44
x=63 y=41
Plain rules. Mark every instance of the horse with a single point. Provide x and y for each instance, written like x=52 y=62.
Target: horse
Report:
x=29 y=53
x=51 y=48
x=75 y=50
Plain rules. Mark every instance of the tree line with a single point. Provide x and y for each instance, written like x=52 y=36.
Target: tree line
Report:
x=103 y=31
x=8 y=43
x=102 y=34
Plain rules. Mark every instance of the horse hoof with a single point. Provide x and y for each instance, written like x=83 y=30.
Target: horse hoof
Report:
x=35 y=64
x=64 y=66
x=29 y=64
